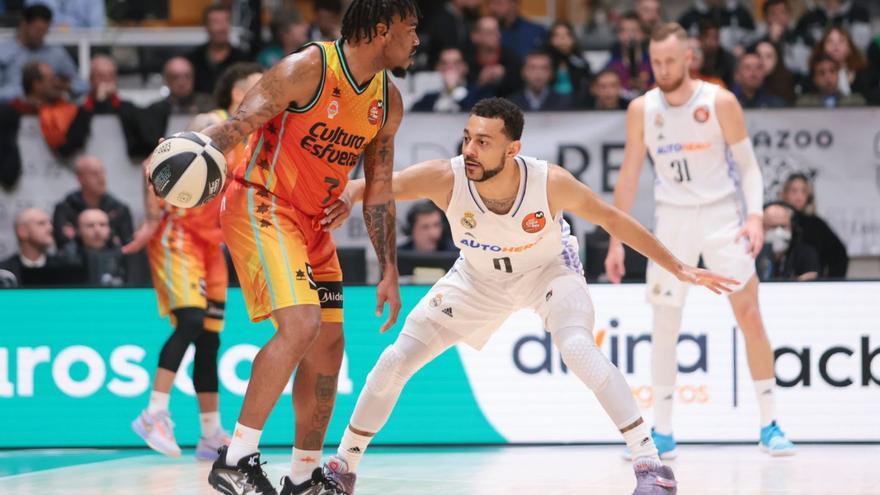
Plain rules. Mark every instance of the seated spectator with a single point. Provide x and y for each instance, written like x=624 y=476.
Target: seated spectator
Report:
x=846 y=14
x=537 y=95
x=28 y=45
x=490 y=66
x=717 y=61
x=696 y=66
x=35 y=265
x=833 y=259
x=212 y=58
x=853 y=76
x=779 y=29
x=75 y=13
x=450 y=27
x=181 y=99
x=457 y=94
x=826 y=91
x=289 y=32
x=571 y=70
x=605 y=92
x=749 y=88
x=518 y=35
x=104 y=263
x=734 y=20
x=92 y=194
x=427 y=229
x=327 y=25
x=629 y=57
x=778 y=80
x=650 y=14
x=595 y=24
x=785 y=256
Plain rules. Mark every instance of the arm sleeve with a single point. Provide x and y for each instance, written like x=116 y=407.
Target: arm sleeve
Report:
x=750 y=175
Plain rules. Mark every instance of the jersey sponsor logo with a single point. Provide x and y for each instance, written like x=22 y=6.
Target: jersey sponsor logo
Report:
x=701 y=114
x=475 y=244
x=332 y=109
x=534 y=222
x=448 y=311
x=374 y=114
x=335 y=146
x=682 y=147
x=468 y=221
x=330 y=295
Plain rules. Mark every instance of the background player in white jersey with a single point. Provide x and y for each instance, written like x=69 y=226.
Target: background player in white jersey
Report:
x=516 y=252
x=703 y=157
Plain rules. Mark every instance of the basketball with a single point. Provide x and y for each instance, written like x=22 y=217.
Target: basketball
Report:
x=187 y=170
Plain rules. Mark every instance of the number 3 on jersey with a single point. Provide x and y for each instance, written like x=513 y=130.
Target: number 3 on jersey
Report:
x=683 y=173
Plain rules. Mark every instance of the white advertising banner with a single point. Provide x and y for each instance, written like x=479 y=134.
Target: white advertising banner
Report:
x=826 y=337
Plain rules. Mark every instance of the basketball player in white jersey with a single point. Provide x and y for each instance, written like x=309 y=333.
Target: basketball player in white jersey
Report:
x=516 y=252
x=703 y=157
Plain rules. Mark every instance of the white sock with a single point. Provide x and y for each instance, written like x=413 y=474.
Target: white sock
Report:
x=663 y=400
x=158 y=402
x=303 y=463
x=245 y=441
x=640 y=443
x=352 y=448
x=210 y=422
x=766 y=401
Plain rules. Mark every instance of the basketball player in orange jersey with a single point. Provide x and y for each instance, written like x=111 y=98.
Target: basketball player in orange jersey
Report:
x=190 y=277
x=312 y=117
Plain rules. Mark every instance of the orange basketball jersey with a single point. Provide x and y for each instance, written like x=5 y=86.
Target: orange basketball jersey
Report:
x=305 y=154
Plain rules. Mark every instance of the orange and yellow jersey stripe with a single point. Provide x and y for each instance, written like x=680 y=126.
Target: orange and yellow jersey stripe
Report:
x=305 y=154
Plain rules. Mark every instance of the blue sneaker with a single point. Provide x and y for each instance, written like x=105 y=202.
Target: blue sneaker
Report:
x=773 y=441
x=666 y=447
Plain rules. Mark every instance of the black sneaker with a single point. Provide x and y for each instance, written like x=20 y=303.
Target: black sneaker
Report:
x=245 y=478
x=313 y=486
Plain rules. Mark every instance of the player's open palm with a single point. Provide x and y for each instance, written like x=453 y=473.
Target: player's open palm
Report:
x=388 y=291
x=712 y=281
x=614 y=267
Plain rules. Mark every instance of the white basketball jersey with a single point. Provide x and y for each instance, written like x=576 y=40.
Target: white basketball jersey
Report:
x=691 y=161
x=520 y=240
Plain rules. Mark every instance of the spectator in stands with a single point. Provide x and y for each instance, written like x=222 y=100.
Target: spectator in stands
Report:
x=845 y=14
x=28 y=45
x=778 y=80
x=596 y=27
x=833 y=259
x=696 y=65
x=749 y=87
x=75 y=13
x=457 y=94
x=427 y=229
x=826 y=92
x=571 y=70
x=517 y=34
x=785 y=256
x=717 y=61
x=289 y=32
x=35 y=264
x=212 y=58
x=629 y=56
x=491 y=67
x=450 y=27
x=538 y=95
x=605 y=92
x=102 y=261
x=327 y=25
x=853 y=76
x=779 y=29
x=734 y=21
x=92 y=194
x=650 y=14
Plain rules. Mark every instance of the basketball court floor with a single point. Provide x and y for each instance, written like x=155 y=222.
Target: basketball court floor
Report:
x=575 y=470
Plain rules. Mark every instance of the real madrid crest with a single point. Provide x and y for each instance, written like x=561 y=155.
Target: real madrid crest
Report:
x=436 y=300
x=658 y=120
x=468 y=221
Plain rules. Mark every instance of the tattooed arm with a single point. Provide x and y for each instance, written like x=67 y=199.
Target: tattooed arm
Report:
x=380 y=214
x=295 y=79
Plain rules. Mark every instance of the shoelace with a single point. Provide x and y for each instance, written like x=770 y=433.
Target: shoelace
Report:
x=331 y=483
x=257 y=477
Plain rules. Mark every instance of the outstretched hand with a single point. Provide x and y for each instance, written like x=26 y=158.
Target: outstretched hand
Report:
x=712 y=281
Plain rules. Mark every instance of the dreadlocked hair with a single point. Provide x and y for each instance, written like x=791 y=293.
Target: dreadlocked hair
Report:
x=362 y=16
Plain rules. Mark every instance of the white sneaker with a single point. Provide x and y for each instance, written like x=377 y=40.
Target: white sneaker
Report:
x=157 y=430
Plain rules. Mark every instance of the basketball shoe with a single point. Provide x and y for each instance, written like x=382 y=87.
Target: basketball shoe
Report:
x=773 y=441
x=245 y=478
x=314 y=486
x=157 y=430
x=337 y=479
x=208 y=446
x=653 y=478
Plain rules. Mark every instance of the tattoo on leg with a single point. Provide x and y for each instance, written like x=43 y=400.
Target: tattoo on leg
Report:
x=325 y=396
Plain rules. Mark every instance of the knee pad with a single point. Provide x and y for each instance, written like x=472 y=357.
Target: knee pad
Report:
x=190 y=324
x=571 y=308
x=205 y=363
x=583 y=358
x=387 y=373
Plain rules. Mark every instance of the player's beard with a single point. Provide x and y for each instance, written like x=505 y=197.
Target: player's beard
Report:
x=488 y=173
x=669 y=88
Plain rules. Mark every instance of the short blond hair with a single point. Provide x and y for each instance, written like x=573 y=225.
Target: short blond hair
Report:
x=664 y=31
